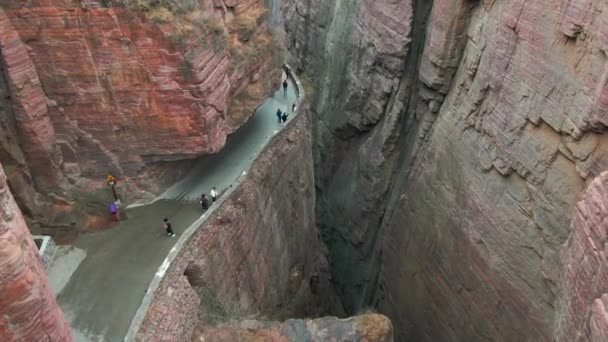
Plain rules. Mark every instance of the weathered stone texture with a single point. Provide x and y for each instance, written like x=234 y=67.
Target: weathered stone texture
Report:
x=29 y=111
x=28 y=310
x=364 y=51
x=583 y=315
x=364 y=328
x=94 y=88
x=450 y=190
x=255 y=255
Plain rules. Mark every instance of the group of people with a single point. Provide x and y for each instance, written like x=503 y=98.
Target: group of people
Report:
x=282 y=116
x=205 y=203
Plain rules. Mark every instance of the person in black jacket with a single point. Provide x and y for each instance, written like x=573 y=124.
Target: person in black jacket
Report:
x=204 y=202
x=168 y=228
x=279 y=115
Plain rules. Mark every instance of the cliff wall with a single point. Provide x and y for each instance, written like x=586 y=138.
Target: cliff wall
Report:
x=28 y=310
x=452 y=141
x=255 y=256
x=583 y=313
x=128 y=87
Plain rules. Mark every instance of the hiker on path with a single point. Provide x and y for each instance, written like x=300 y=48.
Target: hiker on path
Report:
x=293 y=108
x=285 y=84
x=285 y=115
x=114 y=211
x=167 y=227
x=213 y=194
x=279 y=115
x=204 y=202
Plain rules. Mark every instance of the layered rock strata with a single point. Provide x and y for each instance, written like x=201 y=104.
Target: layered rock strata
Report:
x=28 y=310
x=129 y=87
x=583 y=309
x=452 y=141
x=257 y=254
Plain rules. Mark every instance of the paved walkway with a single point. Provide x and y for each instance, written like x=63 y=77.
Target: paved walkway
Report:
x=106 y=289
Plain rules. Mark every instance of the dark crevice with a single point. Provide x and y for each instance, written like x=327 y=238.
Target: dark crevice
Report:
x=365 y=294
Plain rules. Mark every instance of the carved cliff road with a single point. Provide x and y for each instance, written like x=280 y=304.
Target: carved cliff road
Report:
x=106 y=290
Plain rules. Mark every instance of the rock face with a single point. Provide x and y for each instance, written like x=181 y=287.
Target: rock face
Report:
x=91 y=88
x=583 y=313
x=368 y=328
x=258 y=254
x=28 y=309
x=452 y=141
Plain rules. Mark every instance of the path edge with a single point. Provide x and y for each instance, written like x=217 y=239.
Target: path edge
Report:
x=142 y=311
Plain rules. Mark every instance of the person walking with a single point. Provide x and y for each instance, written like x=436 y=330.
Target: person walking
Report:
x=204 y=202
x=168 y=228
x=114 y=211
x=287 y=71
x=285 y=115
x=293 y=108
x=285 y=85
x=279 y=115
x=213 y=194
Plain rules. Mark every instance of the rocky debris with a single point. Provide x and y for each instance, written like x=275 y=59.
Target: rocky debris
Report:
x=28 y=310
x=153 y=85
x=583 y=311
x=364 y=328
x=445 y=196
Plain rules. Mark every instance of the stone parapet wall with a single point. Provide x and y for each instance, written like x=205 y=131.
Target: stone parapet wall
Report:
x=47 y=248
x=253 y=254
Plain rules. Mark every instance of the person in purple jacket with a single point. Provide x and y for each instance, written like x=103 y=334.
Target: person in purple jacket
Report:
x=114 y=211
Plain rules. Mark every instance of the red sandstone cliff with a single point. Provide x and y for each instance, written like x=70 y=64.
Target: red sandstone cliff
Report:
x=583 y=309
x=452 y=141
x=91 y=88
x=28 y=310
x=255 y=256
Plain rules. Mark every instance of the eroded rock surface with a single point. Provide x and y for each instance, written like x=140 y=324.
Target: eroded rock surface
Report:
x=258 y=254
x=28 y=310
x=583 y=310
x=92 y=87
x=452 y=141
x=368 y=328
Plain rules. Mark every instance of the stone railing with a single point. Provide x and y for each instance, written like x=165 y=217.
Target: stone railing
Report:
x=46 y=248
x=188 y=317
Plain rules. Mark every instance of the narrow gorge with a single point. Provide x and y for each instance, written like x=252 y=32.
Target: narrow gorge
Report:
x=452 y=141
x=441 y=174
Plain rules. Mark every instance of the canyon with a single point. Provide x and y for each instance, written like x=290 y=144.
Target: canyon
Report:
x=452 y=142
x=445 y=167
x=152 y=84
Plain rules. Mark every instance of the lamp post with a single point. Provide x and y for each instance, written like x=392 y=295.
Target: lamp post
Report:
x=112 y=183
